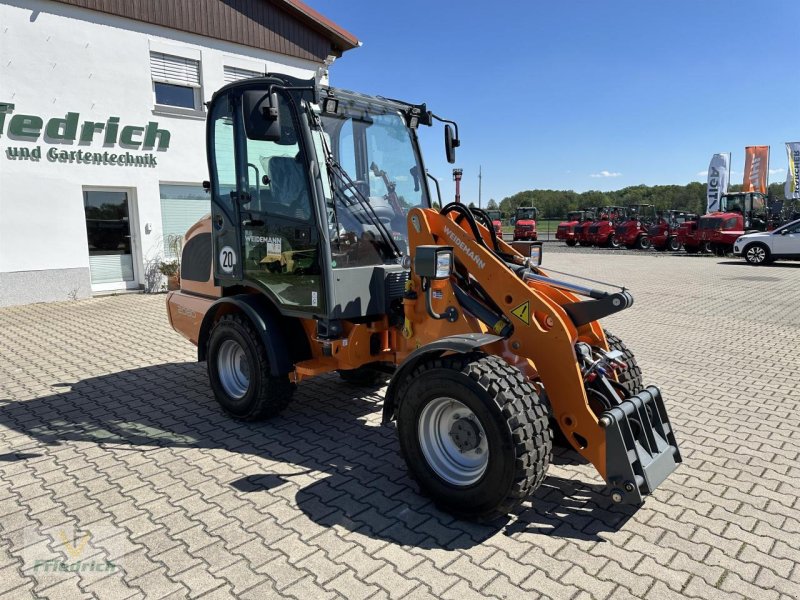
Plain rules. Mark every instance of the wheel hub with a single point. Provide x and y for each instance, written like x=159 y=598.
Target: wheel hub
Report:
x=453 y=441
x=465 y=435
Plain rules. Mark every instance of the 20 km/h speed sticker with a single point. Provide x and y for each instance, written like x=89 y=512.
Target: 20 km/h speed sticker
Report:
x=227 y=259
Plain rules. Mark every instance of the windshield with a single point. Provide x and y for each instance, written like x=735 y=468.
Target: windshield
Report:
x=526 y=213
x=494 y=215
x=574 y=216
x=378 y=154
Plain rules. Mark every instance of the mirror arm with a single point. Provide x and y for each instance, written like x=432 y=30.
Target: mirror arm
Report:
x=456 y=140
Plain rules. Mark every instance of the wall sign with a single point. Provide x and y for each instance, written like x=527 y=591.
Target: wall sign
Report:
x=70 y=129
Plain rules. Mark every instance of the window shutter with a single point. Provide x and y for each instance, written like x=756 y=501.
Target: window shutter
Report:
x=235 y=74
x=176 y=70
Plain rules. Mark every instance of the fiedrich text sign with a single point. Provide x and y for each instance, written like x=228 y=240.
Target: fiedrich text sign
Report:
x=132 y=140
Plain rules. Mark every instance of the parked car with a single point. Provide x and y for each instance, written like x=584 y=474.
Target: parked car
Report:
x=763 y=247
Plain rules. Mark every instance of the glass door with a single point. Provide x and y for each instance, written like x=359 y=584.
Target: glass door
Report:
x=108 y=229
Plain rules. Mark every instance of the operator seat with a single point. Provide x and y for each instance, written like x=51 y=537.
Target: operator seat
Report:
x=288 y=187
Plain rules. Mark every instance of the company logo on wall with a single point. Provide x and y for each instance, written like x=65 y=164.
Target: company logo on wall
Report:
x=70 y=130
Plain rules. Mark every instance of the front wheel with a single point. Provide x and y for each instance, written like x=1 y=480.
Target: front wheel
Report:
x=673 y=244
x=239 y=372
x=631 y=377
x=571 y=243
x=613 y=242
x=643 y=242
x=474 y=434
x=757 y=254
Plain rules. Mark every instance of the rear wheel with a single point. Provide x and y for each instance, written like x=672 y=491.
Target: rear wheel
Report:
x=571 y=243
x=705 y=247
x=474 y=434
x=673 y=243
x=612 y=242
x=757 y=254
x=631 y=377
x=239 y=372
x=643 y=242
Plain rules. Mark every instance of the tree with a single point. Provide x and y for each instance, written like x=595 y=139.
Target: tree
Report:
x=492 y=204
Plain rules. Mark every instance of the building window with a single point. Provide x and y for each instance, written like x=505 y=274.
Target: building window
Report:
x=181 y=207
x=232 y=74
x=176 y=81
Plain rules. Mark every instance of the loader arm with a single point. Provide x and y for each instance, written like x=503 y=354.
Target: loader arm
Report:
x=548 y=320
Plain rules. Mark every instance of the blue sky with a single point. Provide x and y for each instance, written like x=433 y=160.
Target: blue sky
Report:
x=583 y=94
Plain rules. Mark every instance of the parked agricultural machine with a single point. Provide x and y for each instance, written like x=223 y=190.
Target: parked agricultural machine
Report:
x=602 y=232
x=307 y=268
x=664 y=233
x=633 y=231
x=568 y=229
x=497 y=220
x=739 y=213
x=525 y=223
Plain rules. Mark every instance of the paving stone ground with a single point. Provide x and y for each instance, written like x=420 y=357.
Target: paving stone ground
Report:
x=114 y=457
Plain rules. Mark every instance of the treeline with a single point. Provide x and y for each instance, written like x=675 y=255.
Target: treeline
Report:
x=554 y=204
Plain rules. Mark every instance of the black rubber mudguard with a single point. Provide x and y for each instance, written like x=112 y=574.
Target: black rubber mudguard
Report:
x=641 y=450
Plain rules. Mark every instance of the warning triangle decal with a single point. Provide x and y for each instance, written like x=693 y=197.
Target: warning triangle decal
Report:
x=523 y=312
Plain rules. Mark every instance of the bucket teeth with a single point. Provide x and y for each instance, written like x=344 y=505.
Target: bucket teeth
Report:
x=641 y=450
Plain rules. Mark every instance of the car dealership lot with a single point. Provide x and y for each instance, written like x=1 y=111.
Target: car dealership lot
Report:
x=115 y=458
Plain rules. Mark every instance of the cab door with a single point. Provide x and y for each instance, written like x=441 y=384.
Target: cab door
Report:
x=226 y=190
x=280 y=246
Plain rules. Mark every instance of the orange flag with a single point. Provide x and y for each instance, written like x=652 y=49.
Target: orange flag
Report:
x=756 y=168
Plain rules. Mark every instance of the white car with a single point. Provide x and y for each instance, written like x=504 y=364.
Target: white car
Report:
x=763 y=247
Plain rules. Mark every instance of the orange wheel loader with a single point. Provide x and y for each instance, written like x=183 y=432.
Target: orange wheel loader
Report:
x=322 y=254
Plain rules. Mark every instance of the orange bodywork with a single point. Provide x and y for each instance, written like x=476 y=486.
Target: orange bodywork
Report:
x=542 y=344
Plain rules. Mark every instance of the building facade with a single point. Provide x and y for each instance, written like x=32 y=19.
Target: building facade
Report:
x=102 y=128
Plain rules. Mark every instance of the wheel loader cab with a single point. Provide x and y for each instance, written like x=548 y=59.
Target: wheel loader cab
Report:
x=309 y=206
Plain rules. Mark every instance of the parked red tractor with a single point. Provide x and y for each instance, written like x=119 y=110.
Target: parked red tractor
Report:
x=739 y=213
x=688 y=235
x=525 y=223
x=497 y=221
x=602 y=231
x=568 y=229
x=632 y=232
x=664 y=233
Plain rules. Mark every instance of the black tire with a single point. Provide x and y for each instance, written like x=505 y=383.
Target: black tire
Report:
x=705 y=247
x=266 y=395
x=631 y=377
x=571 y=243
x=364 y=375
x=673 y=243
x=612 y=242
x=757 y=254
x=513 y=419
x=643 y=242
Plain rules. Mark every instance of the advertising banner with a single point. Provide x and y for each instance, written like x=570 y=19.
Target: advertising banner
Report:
x=756 y=168
x=791 y=191
x=718 y=175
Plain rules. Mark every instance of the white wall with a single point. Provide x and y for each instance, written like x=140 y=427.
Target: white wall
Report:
x=56 y=58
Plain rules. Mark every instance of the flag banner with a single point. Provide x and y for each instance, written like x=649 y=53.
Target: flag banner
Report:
x=718 y=172
x=791 y=191
x=756 y=168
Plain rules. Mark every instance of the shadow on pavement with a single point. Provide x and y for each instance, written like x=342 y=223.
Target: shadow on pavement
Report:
x=363 y=487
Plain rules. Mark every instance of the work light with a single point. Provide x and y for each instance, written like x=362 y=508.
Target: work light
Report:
x=434 y=262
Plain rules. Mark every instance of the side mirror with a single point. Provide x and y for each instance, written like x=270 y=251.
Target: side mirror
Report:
x=450 y=143
x=262 y=119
